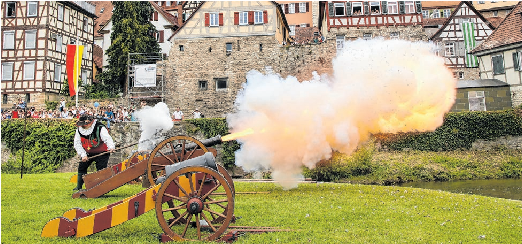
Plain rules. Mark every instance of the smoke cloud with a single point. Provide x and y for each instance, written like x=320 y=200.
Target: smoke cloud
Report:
x=376 y=86
x=153 y=122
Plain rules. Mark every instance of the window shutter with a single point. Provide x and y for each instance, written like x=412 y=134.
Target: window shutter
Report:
x=307 y=25
x=348 y=9
x=265 y=16
x=220 y=19
x=366 y=8
x=330 y=10
x=250 y=17
x=236 y=18
x=307 y=7
x=161 y=36
x=384 y=6
x=155 y=16
x=401 y=7
x=418 y=7
x=296 y=7
x=207 y=19
x=286 y=8
x=516 y=65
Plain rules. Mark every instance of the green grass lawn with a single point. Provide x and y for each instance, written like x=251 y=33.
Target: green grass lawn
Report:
x=319 y=213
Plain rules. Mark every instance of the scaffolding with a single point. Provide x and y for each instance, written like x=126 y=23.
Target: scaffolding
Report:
x=136 y=90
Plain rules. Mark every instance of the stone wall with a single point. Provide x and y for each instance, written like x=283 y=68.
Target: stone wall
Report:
x=205 y=60
x=503 y=142
x=410 y=33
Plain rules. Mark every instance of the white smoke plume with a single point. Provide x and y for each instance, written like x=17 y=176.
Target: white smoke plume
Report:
x=376 y=86
x=153 y=122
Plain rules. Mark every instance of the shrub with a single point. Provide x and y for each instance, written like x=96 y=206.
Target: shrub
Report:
x=48 y=144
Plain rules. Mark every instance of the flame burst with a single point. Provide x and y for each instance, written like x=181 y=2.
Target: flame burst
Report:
x=236 y=135
x=377 y=86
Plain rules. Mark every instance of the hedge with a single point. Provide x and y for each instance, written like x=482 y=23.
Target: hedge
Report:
x=459 y=131
x=48 y=143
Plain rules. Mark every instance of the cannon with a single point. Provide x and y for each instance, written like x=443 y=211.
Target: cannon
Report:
x=192 y=195
x=170 y=151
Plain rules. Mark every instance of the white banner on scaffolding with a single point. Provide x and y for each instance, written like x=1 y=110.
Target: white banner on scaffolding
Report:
x=145 y=75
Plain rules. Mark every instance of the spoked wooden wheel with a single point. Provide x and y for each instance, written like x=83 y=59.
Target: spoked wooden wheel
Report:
x=171 y=151
x=195 y=203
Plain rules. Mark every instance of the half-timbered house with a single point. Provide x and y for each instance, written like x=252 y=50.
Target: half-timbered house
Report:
x=369 y=19
x=35 y=35
x=215 y=48
x=500 y=56
x=461 y=32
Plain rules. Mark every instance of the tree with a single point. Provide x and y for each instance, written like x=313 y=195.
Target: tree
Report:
x=132 y=32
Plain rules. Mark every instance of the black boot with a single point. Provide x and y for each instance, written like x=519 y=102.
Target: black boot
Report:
x=79 y=182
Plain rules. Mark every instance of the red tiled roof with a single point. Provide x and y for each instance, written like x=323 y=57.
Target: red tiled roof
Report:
x=103 y=17
x=495 y=21
x=508 y=32
x=433 y=22
x=168 y=16
x=97 y=54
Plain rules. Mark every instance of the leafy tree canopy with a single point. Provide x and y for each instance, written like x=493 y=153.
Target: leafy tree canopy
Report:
x=132 y=32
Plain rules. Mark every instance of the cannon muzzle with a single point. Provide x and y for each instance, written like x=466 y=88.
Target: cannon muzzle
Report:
x=206 y=159
x=207 y=142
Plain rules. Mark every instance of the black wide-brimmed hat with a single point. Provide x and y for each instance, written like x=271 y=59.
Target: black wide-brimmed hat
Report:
x=84 y=120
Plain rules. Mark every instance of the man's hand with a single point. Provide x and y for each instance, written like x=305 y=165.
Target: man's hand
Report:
x=84 y=159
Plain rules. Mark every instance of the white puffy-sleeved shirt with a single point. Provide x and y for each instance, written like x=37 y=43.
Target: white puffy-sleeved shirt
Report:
x=104 y=136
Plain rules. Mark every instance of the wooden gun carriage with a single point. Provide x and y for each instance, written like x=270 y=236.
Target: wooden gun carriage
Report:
x=192 y=195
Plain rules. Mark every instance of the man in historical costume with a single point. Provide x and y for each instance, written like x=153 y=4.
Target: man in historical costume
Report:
x=91 y=139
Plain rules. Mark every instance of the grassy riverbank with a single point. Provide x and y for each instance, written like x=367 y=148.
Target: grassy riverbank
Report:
x=318 y=213
x=369 y=166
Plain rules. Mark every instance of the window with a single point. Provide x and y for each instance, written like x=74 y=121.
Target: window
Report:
x=258 y=17
x=436 y=13
x=7 y=71
x=425 y=14
x=214 y=19
x=498 y=64
x=4 y=98
x=375 y=8
x=72 y=41
x=392 y=8
x=517 y=61
x=202 y=85
x=167 y=3
x=181 y=48
x=59 y=43
x=394 y=35
x=449 y=49
x=495 y=13
x=85 y=48
x=229 y=47
x=339 y=41
x=57 y=72
x=9 y=37
x=10 y=10
x=85 y=23
x=481 y=2
x=60 y=12
x=30 y=39
x=339 y=9
x=27 y=98
x=446 y=13
x=302 y=7
x=292 y=30
x=367 y=36
x=243 y=18
x=261 y=47
x=221 y=84
x=477 y=101
x=291 y=8
x=357 y=8
x=303 y=25
x=32 y=9
x=84 y=76
x=409 y=7
x=29 y=70
x=458 y=75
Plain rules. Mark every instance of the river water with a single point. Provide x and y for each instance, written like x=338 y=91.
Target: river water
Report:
x=503 y=188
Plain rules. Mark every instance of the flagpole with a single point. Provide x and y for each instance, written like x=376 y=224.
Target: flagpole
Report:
x=77 y=54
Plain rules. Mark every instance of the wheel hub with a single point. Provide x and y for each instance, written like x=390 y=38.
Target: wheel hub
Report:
x=195 y=205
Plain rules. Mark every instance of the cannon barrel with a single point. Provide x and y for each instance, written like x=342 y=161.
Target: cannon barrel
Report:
x=212 y=141
x=206 y=159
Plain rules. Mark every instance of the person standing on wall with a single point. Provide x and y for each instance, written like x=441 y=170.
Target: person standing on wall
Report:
x=91 y=139
x=177 y=115
x=197 y=114
x=62 y=104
